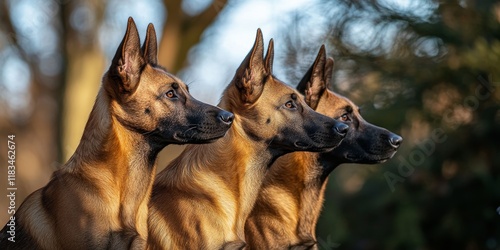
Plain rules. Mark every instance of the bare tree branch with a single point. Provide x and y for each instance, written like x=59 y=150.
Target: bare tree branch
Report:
x=181 y=32
x=6 y=25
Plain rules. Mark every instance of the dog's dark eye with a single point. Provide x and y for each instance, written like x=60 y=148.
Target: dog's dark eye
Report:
x=290 y=105
x=344 y=118
x=170 y=94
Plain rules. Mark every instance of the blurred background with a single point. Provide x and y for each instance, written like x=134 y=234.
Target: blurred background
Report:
x=428 y=70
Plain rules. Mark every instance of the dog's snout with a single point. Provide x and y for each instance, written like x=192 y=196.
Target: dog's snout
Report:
x=395 y=140
x=226 y=117
x=341 y=128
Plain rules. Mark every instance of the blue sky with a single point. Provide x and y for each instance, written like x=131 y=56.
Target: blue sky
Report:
x=212 y=62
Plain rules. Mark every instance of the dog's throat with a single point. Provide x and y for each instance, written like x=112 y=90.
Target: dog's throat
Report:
x=250 y=133
x=149 y=149
x=128 y=125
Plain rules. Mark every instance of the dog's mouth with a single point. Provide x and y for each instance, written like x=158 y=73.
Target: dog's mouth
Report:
x=301 y=145
x=180 y=138
x=196 y=136
x=315 y=147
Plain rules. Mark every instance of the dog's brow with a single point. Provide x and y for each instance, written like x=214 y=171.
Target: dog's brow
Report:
x=294 y=96
x=348 y=108
x=158 y=67
x=175 y=85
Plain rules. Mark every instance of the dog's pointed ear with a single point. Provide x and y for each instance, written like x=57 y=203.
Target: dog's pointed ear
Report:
x=251 y=74
x=150 y=47
x=328 y=72
x=128 y=62
x=313 y=84
x=269 y=57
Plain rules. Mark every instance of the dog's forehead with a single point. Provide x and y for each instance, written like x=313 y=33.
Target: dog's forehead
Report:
x=164 y=77
x=177 y=80
x=342 y=102
x=281 y=88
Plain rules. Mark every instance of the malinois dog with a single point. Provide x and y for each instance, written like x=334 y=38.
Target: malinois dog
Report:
x=291 y=197
x=99 y=198
x=202 y=199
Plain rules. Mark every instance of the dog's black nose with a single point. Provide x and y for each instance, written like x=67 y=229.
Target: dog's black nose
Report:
x=226 y=117
x=395 y=140
x=341 y=128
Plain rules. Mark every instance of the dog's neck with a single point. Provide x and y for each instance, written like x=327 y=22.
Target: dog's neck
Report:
x=234 y=163
x=317 y=168
x=303 y=175
x=105 y=138
x=122 y=158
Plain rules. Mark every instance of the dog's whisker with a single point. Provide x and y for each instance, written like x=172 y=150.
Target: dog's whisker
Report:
x=189 y=129
x=149 y=132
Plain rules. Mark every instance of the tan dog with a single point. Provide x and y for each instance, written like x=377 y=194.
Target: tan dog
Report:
x=291 y=197
x=202 y=199
x=99 y=198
